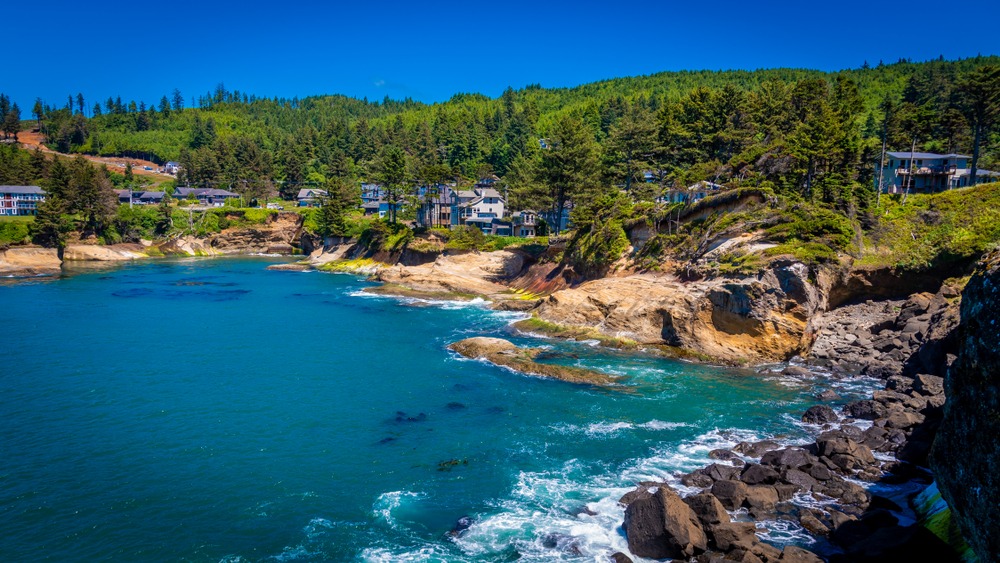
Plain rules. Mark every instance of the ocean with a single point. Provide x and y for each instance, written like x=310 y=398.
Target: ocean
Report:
x=210 y=410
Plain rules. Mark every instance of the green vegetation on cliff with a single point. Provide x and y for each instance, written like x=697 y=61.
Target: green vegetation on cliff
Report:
x=933 y=231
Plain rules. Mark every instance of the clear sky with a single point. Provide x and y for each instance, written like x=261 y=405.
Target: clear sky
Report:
x=431 y=50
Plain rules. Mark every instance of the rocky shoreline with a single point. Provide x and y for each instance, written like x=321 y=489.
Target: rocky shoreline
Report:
x=764 y=481
x=908 y=342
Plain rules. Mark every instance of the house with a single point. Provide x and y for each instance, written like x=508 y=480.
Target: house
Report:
x=928 y=172
x=372 y=192
x=311 y=197
x=370 y=207
x=20 y=200
x=148 y=198
x=523 y=223
x=172 y=167
x=692 y=193
x=478 y=203
x=139 y=198
x=206 y=196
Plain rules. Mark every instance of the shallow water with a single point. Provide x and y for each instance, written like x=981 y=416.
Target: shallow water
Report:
x=210 y=410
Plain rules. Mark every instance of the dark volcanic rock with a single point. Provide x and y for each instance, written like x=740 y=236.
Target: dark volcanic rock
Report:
x=730 y=493
x=619 y=557
x=756 y=474
x=663 y=526
x=756 y=449
x=819 y=414
x=828 y=396
x=733 y=535
x=792 y=554
x=865 y=410
x=787 y=457
x=965 y=457
x=928 y=384
x=725 y=455
x=708 y=509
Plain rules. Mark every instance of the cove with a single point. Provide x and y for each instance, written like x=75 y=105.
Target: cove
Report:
x=210 y=410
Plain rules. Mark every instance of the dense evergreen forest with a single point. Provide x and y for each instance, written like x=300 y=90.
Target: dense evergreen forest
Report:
x=804 y=135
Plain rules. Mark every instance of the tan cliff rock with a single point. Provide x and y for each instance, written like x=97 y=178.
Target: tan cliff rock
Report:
x=471 y=273
x=101 y=253
x=29 y=261
x=753 y=320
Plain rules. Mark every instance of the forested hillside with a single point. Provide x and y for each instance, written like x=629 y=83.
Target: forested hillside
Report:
x=807 y=131
x=611 y=147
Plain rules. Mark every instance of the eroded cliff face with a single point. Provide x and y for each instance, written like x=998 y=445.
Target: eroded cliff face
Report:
x=966 y=455
x=29 y=261
x=754 y=320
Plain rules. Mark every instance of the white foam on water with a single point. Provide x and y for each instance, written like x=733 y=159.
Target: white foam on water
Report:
x=297 y=553
x=386 y=503
x=604 y=429
x=784 y=532
x=317 y=527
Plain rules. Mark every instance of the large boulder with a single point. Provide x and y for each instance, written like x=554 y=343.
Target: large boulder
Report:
x=965 y=455
x=845 y=452
x=819 y=414
x=708 y=509
x=756 y=474
x=730 y=493
x=662 y=526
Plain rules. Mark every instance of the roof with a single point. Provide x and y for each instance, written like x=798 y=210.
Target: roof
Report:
x=931 y=155
x=370 y=205
x=21 y=190
x=152 y=194
x=463 y=194
x=489 y=192
x=480 y=219
x=305 y=193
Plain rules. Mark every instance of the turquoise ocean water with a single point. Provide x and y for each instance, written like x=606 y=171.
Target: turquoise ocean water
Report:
x=210 y=410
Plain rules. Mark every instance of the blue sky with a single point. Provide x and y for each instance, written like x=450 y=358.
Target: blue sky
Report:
x=429 y=51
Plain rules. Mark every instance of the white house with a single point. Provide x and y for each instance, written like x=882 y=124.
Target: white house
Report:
x=479 y=204
x=20 y=200
x=929 y=172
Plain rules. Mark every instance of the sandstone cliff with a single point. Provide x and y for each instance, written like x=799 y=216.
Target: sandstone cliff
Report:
x=29 y=261
x=965 y=456
x=752 y=320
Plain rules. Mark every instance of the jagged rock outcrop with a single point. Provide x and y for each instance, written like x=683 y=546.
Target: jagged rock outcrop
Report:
x=753 y=320
x=965 y=453
x=887 y=338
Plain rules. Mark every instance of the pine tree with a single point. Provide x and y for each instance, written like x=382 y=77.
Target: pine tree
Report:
x=569 y=167
x=392 y=175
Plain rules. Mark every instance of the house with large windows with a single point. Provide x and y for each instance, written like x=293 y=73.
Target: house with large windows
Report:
x=206 y=196
x=926 y=172
x=20 y=200
x=478 y=206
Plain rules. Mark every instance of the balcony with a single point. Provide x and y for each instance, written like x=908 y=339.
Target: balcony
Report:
x=927 y=170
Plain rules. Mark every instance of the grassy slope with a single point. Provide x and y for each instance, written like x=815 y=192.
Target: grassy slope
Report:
x=934 y=230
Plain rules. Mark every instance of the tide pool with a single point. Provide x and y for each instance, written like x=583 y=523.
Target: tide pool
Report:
x=210 y=410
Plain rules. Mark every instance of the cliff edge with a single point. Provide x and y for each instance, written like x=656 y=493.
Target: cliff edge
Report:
x=965 y=455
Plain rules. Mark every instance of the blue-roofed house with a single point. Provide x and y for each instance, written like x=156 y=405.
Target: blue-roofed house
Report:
x=927 y=172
